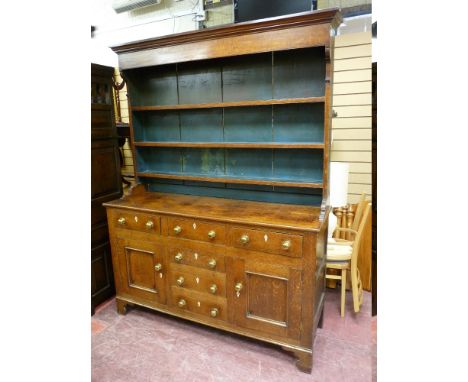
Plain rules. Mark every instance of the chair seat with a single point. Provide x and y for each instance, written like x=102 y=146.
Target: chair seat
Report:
x=339 y=252
x=338 y=264
x=332 y=241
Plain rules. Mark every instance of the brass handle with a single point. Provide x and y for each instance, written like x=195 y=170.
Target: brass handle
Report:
x=238 y=287
x=177 y=229
x=182 y=303
x=214 y=312
x=149 y=224
x=212 y=263
x=158 y=267
x=180 y=281
x=212 y=234
x=122 y=221
x=286 y=244
x=213 y=288
x=244 y=239
x=178 y=257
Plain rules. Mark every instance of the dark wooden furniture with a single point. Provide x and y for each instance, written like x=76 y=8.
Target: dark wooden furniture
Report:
x=230 y=132
x=105 y=181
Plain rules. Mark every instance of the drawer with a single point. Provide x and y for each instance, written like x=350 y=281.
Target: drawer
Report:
x=264 y=241
x=196 y=230
x=212 y=259
x=198 y=279
x=137 y=221
x=195 y=302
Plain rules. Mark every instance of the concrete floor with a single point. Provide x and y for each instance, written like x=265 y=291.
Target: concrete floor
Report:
x=144 y=346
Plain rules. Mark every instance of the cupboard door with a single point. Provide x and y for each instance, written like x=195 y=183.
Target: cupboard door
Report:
x=142 y=269
x=264 y=297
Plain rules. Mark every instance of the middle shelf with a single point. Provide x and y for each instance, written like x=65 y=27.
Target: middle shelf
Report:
x=273 y=167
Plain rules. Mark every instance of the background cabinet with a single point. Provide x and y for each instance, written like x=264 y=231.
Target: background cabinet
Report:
x=105 y=181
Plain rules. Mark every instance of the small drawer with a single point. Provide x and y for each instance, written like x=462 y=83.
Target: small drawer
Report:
x=137 y=221
x=201 y=280
x=272 y=242
x=196 y=230
x=200 y=258
x=192 y=301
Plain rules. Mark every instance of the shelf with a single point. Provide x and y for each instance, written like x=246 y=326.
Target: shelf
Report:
x=231 y=104
x=227 y=179
x=241 y=145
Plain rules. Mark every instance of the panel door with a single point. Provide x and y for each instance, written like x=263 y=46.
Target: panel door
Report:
x=142 y=270
x=264 y=297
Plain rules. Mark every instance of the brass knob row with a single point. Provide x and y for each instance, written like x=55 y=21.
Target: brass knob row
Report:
x=214 y=312
x=181 y=280
x=123 y=221
x=244 y=239
x=177 y=229
x=158 y=267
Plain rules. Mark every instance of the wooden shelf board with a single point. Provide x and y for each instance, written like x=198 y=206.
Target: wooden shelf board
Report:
x=245 y=145
x=225 y=179
x=231 y=104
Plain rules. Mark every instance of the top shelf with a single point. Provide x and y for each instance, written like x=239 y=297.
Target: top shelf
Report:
x=231 y=104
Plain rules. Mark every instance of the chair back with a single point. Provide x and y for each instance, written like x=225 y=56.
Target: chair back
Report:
x=366 y=207
x=359 y=211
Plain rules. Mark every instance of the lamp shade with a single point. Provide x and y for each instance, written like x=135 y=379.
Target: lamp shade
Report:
x=339 y=173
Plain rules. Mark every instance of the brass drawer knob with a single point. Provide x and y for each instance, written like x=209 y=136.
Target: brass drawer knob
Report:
x=286 y=244
x=122 y=221
x=180 y=281
x=213 y=288
x=212 y=234
x=177 y=229
x=212 y=263
x=178 y=257
x=182 y=303
x=214 y=312
x=149 y=224
x=238 y=287
x=244 y=239
x=158 y=267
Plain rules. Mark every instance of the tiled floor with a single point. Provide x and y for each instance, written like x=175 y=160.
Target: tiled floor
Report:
x=144 y=346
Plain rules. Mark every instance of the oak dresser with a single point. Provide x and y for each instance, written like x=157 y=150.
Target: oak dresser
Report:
x=230 y=131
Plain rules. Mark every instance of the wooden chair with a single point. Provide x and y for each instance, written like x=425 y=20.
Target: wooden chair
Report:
x=342 y=255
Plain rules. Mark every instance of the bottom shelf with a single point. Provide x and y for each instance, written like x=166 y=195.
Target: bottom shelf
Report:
x=258 y=193
x=228 y=179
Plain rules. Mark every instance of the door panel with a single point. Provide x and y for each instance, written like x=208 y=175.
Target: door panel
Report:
x=264 y=297
x=142 y=269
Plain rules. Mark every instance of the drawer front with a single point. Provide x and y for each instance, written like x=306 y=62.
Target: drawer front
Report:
x=196 y=230
x=137 y=221
x=264 y=241
x=195 y=302
x=212 y=259
x=201 y=280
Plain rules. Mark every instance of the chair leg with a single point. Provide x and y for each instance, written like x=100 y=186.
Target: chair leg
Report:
x=343 y=291
x=356 y=284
